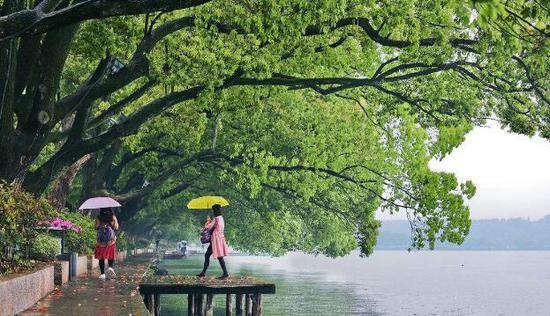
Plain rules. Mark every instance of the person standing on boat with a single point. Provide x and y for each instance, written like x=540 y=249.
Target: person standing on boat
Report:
x=105 y=247
x=218 y=247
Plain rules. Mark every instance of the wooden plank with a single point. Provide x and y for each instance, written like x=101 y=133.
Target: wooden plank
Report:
x=184 y=289
x=209 y=305
x=248 y=310
x=257 y=305
x=190 y=305
x=147 y=299
x=192 y=279
x=173 y=256
x=239 y=305
x=229 y=305
x=183 y=284
x=156 y=309
x=200 y=304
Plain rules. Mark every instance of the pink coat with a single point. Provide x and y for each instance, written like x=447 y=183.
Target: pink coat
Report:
x=219 y=246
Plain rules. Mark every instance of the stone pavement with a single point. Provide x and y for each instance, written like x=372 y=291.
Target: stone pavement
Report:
x=92 y=296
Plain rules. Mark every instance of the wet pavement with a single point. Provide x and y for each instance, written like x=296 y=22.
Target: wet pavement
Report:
x=91 y=296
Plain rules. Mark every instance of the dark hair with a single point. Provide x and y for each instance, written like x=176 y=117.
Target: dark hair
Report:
x=106 y=215
x=218 y=210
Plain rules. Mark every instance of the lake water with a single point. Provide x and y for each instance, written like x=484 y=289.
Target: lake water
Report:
x=391 y=283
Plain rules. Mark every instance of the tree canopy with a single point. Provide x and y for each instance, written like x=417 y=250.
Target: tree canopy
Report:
x=308 y=115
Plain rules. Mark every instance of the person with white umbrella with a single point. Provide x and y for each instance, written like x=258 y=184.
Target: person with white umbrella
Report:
x=106 y=224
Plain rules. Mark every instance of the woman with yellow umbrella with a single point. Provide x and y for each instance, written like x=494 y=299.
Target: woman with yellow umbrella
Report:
x=213 y=232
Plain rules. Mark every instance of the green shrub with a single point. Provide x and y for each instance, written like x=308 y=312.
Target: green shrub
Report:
x=84 y=242
x=20 y=215
x=131 y=244
x=142 y=243
x=45 y=247
x=122 y=242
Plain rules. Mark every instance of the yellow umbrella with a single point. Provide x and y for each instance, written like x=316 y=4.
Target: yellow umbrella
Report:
x=206 y=202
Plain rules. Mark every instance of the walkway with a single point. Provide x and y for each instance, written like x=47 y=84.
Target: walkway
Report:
x=91 y=296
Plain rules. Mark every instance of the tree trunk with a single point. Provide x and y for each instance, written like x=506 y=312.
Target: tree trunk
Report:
x=88 y=181
x=62 y=185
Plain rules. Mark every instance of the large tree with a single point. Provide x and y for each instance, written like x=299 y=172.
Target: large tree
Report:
x=302 y=172
x=422 y=72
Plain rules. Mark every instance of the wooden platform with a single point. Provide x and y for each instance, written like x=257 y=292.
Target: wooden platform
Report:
x=201 y=291
x=173 y=256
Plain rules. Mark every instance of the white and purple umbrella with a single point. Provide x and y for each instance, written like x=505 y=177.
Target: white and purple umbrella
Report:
x=99 y=202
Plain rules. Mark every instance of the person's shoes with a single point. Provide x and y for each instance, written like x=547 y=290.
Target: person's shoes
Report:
x=102 y=276
x=201 y=275
x=223 y=277
x=111 y=272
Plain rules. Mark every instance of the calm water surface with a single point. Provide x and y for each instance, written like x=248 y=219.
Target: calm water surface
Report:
x=391 y=283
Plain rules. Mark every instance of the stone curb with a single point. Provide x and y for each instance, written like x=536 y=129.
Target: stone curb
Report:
x=20 y=293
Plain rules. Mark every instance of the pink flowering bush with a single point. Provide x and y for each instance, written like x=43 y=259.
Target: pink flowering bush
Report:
x=81 y=232
x=65 y=224
x=81 y=235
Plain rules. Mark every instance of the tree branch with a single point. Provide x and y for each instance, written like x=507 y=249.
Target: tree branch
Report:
x=178 y=189
x=375 y=35
x=128 y=157
x=292 y=194
x=83 y=109
x=532 y=81
x=167 y=174
x=39 y=20
x=136 y=68
x=117 y=107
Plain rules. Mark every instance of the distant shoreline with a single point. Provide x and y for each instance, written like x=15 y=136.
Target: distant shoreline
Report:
x=488 y=234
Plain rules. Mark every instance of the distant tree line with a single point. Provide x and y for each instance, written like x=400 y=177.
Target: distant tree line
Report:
x=490 y=234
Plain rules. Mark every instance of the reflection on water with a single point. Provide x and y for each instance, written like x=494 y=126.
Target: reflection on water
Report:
x=391 y=283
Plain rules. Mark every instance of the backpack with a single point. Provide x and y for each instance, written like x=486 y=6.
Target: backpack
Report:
x=105 y=233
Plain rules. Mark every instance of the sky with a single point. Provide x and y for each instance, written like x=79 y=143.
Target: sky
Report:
x=511 y=173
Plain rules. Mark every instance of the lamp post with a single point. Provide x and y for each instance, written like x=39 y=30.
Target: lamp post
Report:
x=115 y=66
x=62 y=230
